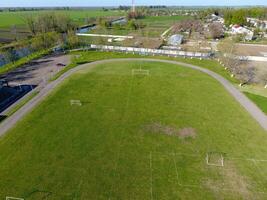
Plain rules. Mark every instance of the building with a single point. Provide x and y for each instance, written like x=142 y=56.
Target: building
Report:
x=216 y=18
x=237 y=29
x=175 y=40
x=261 y=24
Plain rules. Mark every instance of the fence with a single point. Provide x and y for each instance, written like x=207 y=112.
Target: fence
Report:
x=146 y=51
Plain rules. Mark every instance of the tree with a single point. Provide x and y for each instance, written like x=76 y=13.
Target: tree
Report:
x=10 y=55
x=45 y=40
x=235 y=17
x=227 y=49
x=216 y=30
x=246 y=73
x=31 y=23
x=132 y=25
x=188 y=26
x=72 y=40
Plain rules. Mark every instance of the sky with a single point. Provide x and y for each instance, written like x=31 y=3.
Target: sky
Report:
x=93 y=3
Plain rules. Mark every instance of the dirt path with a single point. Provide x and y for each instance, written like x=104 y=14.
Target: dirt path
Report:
x=255 y=112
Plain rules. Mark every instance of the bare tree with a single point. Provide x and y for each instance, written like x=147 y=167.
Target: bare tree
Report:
x=188 y=26
x=216 y=30
x=246 y=73
x=227 y=56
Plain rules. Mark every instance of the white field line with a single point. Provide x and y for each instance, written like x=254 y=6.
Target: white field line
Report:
x=259 y=171
x=247 y=159
x=123 y=130
x=177 y=175
x=140 y=72
x=176 y=153
x=176 y=170
x=151 y=176
x=14 y=198
x=200 y=186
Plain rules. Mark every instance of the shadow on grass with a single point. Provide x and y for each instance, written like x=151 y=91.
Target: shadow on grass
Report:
x=2 y=117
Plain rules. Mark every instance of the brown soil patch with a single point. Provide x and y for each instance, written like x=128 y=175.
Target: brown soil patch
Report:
x=172 y=131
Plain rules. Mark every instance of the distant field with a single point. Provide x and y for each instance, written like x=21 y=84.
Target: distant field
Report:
x=163 y=21
x=154 y=26
x=136 y=137
x=9 y=19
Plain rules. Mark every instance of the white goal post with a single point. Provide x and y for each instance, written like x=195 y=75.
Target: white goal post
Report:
x=218 y=163
x=14 y=198
x=75 y=102
x=140 y=72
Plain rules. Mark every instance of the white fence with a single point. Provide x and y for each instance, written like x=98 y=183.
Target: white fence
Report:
x=253 y=58
x=146 y=51
x=105 y=36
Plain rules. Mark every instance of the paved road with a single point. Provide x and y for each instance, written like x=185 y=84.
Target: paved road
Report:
x=36 y=71
x=255 y=112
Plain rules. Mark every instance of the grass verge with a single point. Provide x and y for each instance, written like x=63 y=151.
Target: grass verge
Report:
x=260 y=101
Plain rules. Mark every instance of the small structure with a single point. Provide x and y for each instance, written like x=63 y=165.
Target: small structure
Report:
x=120 y=21
x=75 y=102
x=175 y=40
x=237 y=29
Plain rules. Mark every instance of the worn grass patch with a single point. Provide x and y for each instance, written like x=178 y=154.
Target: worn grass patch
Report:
x=169 y=130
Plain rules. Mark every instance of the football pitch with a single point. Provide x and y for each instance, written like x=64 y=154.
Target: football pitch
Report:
x=135 y=130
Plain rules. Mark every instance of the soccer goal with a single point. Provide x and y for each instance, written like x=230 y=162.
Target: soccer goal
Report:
x=140 y=72
x=75 y=103
x=215 y=159
x=14 y=198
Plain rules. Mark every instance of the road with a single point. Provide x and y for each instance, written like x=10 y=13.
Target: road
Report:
x=254 y=111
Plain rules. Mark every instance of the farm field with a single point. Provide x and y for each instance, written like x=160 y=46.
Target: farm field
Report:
x=154 y=26
x=156 y=136
x=9 y=19
x=12 y=24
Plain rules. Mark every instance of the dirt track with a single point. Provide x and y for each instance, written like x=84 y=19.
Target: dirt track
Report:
x=255 y=112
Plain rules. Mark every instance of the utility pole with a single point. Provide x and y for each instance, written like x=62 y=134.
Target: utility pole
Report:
x=133 y=6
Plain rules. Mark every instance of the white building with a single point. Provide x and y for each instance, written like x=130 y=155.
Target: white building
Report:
x=261 y=24
x=237 y=29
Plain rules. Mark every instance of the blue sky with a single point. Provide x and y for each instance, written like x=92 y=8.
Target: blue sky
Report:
x=33 y=3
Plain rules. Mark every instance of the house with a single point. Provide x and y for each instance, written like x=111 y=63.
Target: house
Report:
x=261 y=24
x=216 y=18
x=237 y=29
x=175 y=40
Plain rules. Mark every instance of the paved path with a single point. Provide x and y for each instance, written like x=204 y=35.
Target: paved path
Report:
x=255 y=112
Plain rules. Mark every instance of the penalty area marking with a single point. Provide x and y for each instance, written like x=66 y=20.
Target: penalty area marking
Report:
x=75 y=102
x=14 y=198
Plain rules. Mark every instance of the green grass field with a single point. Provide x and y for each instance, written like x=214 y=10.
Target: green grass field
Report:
x=154 y=26
x=8 y=19
x=125 y=141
